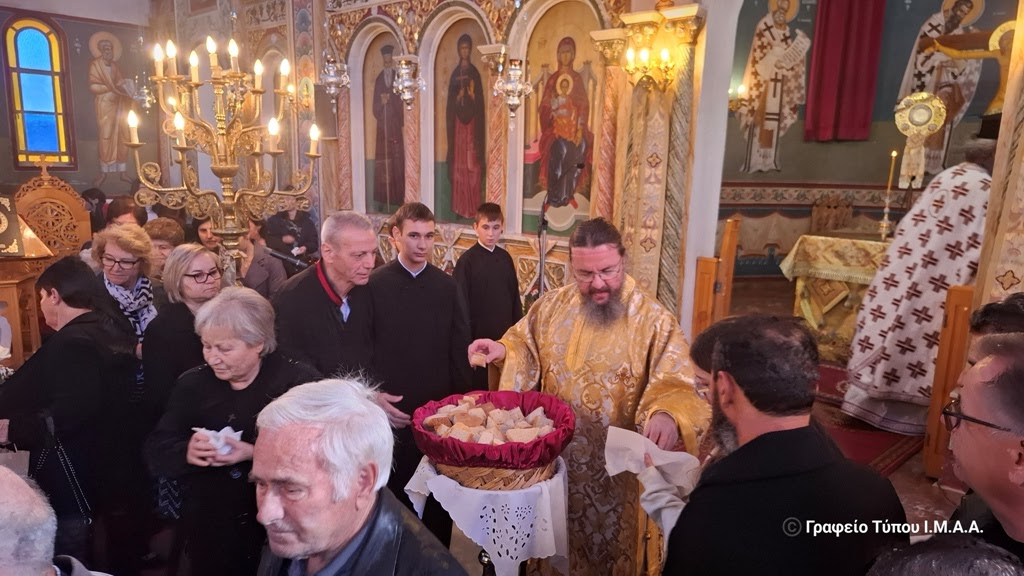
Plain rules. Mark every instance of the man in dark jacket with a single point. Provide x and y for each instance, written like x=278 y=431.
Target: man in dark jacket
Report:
x=321 y=459
x=761 y=508
x=63 y=403
x=324 y=313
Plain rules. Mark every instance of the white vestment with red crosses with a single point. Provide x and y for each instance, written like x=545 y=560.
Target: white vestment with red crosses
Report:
x=937 y=245
x=776 y=88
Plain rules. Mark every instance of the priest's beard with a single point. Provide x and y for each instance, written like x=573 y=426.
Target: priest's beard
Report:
x=723 y=431
x=607 y=313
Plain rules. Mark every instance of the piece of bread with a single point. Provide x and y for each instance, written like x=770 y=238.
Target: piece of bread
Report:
x=522 y=434
x=443 y=430
x=516 y=414
x=500 y=416
x=446 y=409
x=487 y=407
x=469 y=420
x=479 y=412
x=462 y=434
x=478 y=359
x=545 y=430
x=437 y=420
x=522 y=425
x=485 y=437
x=537 y=414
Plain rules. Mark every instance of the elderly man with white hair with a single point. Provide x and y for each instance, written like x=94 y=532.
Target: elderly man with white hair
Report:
x=28 y=526
x=322 y=457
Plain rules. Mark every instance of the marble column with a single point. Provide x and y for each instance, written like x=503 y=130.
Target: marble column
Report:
x=686 y=29
x=497 y=132
x=610 y=44
x=411 y=133
x=344 y=162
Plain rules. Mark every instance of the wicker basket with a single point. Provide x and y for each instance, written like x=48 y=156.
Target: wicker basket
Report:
x=496 y=478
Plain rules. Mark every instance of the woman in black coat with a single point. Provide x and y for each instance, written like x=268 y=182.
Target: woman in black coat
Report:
x=242 y=375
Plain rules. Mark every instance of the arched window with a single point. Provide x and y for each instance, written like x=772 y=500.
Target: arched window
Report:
x=37 y=94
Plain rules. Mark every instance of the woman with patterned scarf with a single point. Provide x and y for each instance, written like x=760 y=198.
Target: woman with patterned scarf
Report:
x=124 y=254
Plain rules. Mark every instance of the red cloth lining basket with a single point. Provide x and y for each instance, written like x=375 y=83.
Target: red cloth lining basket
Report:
x=512 y=455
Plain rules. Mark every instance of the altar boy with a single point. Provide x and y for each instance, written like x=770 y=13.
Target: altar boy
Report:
x=487 y=278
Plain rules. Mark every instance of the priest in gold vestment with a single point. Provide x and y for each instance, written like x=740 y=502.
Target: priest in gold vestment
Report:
x=618 y=358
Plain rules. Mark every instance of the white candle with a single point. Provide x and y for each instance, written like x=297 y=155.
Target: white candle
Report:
x=257 y=70
x=272 y=131
x=233 y=52
x=314 y=140
x=286 y=69
x=133 y=126
x=211 y=47
x=158 y=60
x=172 y=57
x=179 y=129
x=193 y=67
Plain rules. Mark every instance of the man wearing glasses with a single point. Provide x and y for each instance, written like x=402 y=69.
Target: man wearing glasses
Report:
x=986 y=424
x=619 y=359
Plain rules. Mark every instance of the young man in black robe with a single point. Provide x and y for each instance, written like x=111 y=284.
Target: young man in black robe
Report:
x=487 y=279
x=421 y=333
x=324 y=313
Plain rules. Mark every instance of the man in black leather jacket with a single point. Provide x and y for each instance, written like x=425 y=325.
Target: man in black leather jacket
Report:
x=321 y=459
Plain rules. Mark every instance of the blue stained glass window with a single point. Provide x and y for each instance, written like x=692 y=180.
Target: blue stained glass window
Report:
x=33 y=50
x=41 y=132
x=37 y=93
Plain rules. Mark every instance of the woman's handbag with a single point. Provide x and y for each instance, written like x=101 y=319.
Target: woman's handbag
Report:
x=56 y=448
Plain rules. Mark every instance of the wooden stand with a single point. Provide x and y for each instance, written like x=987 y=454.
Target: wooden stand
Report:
x=18 y=291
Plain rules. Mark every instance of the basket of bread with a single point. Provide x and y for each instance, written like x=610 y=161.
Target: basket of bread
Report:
x=494 y=440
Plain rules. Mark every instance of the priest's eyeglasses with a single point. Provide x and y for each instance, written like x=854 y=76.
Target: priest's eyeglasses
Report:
x=952 y=415
x=109 y=262
x=606 y=274
x=204 y=277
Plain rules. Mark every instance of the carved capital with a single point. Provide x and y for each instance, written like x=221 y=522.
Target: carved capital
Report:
x=685 y=22
x=493 y=56
x=641 y=27
x=610 y=44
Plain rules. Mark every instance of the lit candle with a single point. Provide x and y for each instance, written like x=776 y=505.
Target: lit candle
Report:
x=314 y=140
x=741 y=90
x=291 y=91
x=892 y=168
x=193 y=66
x=664 y=55
x=257 y=70
x=158 y=59
x=172 y=103
x=630 y=56
x=133 y=126
x=172 y=57
x=286 y=69
x=272 y=131
x=645 y=55
x=179 y=129
x=211 y=47
x=233 y=52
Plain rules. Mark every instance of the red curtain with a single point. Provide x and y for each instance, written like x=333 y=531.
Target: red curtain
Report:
x=844 y=69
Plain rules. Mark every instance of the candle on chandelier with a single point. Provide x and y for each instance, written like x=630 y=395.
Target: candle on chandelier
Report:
x=179 y=129
x=272 y=131
x=314 y=140
x=645 y=55
x=630 y=56
x=211 y=48
x=193 y=67
x=286 y=69
x=257 y=71
x=172 y=57
x=664 y=55
x=233 y=52
x=172 y=103
x=158 y=60
x=133 y=126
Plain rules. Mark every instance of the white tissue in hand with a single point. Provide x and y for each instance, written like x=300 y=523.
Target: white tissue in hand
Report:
x=218 y=438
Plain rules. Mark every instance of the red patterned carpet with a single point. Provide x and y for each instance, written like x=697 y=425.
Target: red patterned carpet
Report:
x=859 y=441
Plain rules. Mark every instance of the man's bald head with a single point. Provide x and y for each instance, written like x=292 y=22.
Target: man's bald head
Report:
x=28 y=526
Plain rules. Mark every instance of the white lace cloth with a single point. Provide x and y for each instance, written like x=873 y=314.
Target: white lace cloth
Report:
x=511 y=525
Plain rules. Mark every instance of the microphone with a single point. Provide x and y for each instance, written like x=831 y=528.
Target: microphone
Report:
x=289 y=259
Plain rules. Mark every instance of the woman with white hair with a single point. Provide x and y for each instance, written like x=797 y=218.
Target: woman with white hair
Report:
x=242 y=374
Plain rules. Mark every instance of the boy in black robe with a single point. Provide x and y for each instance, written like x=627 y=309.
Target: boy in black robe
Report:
x=421 y=334
x=487 y=279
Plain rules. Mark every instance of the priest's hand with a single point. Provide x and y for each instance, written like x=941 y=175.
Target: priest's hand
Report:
x=200 y=452
x=398 y=418
x=240 y=452
x=492 y=351
x=662 y=430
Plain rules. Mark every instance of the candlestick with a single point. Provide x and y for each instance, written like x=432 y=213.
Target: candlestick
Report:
x=257 y=70
x=172 y=57
x=286 y=69
x=193 y=66
x=158 y=60
x=314 y=139
x=233 y=53
x=892 y=168
x=133 y=127
x=885 y=226
x=179 y=129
